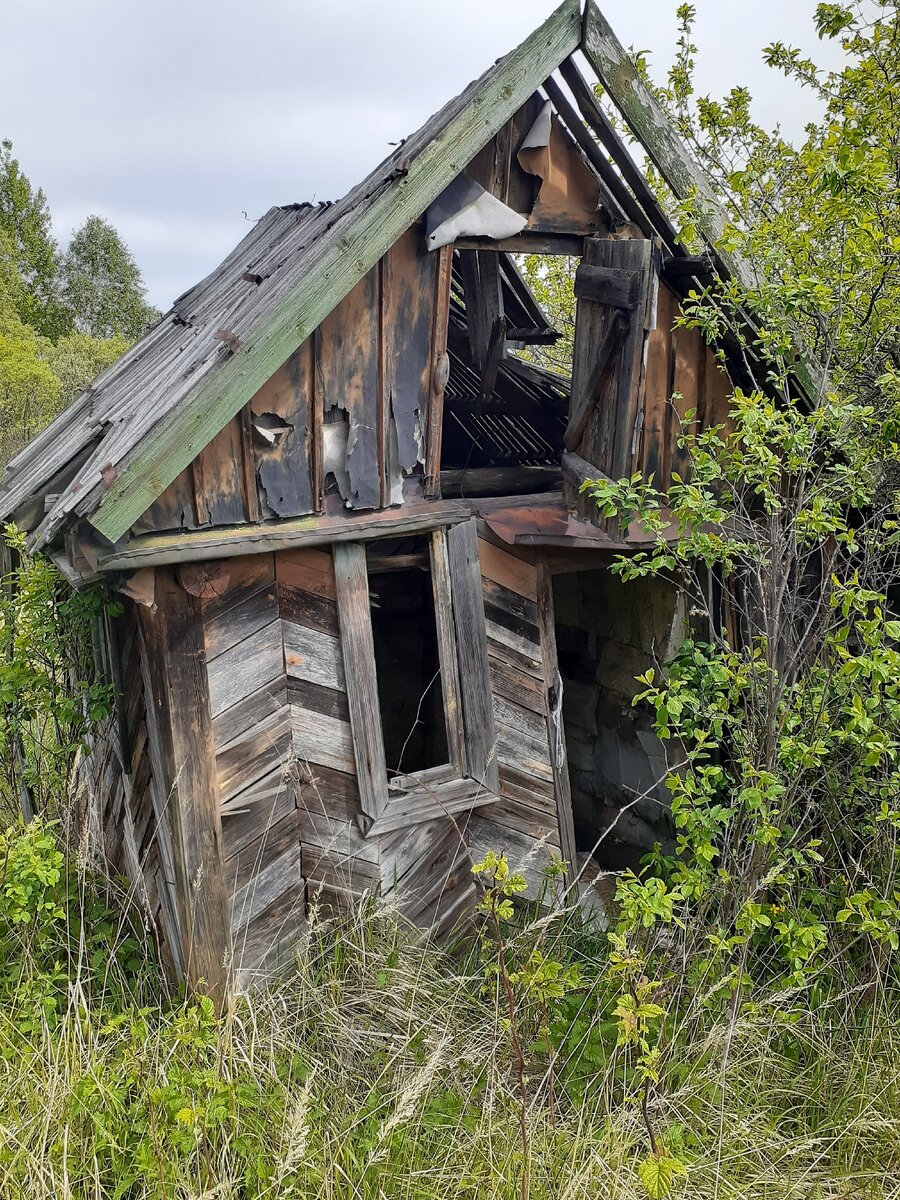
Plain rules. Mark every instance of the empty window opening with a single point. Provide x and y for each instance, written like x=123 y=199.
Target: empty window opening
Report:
x=507 y=398
x=407 y=657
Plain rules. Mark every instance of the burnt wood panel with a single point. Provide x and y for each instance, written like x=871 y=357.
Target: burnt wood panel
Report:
x=347 y=376
x=409 y=277
x=279 y=425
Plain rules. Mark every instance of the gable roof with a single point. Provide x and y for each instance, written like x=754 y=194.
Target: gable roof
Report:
x=118 y=446
x=159 y=405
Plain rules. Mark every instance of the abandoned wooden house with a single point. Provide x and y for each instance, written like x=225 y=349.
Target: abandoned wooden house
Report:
x=369 y=628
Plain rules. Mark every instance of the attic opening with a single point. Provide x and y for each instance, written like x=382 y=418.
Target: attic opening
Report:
x=507 y=399
x=407 y=655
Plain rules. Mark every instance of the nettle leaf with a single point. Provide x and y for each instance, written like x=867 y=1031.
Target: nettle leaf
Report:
x=658 y=1173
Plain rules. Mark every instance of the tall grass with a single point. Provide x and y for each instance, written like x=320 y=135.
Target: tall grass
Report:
x=378 y=1066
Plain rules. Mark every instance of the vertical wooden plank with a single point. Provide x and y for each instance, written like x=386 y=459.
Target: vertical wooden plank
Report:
x=354 y=618
x=347 y=368
x=553 y=692
x=176 y=671
x=317 y=415
x=248 y=466
x=610 y=441
x=281 y=443
x=658 y=389
x=689 y=350
x=443 y=609
x=440 y=373
x=220 y=499
x=638 y=255
x=410 y=279
x=471 y=644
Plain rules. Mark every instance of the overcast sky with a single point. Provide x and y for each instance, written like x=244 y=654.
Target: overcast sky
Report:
x=173 y=118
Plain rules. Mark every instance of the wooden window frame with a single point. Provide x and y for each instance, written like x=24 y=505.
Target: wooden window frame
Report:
x=471 y=778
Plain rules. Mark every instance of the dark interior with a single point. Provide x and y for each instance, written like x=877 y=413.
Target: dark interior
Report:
x=407 y=660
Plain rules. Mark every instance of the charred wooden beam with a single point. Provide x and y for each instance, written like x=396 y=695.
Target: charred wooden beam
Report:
x=577 y=470
x=484 y=302
x=679 y=272
x=499 y=481
x=608 y=285
x=527 y=243
x=533 y=337
x=495 y=353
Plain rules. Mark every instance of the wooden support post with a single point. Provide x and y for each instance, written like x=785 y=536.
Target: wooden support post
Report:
x=176 y=670
x=554 y=697
x=355 y=620
x=480 y=270
x=495 y=354
x=471 y=642
x=440 y=372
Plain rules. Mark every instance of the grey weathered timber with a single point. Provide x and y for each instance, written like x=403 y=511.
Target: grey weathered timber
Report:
x=450 y=684
x=173 y=637
x=471 y=642
x=231 y=542
x=553 y=695
x=354 y=615
x=342 y=243
x=427 y=803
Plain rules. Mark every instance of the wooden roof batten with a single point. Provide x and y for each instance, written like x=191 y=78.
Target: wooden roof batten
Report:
x=149 y=415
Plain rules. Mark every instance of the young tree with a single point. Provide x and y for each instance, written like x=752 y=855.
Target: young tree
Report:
x=29 y=389
x=102 y=285
x=29 y=248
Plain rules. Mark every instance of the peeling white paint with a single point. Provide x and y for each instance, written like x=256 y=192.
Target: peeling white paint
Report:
x=538 y=135
x=335 y=438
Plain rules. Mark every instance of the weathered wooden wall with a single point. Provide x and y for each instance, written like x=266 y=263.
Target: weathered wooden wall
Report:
x=289 y=798
x=124 y=804
x=533 y=819
x=343 y=423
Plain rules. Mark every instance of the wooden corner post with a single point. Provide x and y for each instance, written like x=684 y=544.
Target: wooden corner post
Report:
x=176 y=670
